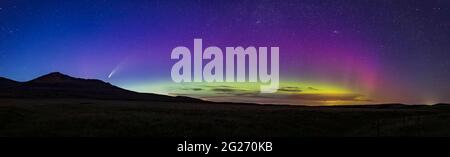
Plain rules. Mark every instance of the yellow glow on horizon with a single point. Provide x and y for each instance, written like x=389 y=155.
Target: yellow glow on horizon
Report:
x=314 y=92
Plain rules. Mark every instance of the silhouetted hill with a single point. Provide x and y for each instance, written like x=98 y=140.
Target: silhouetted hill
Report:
x=53 y=77
x=442 y=106
x=57 y=85
x=383 y=106
x=6 y=83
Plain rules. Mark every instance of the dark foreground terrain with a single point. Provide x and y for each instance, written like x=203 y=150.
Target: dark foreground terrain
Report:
x=60 y=105
x=89 y=117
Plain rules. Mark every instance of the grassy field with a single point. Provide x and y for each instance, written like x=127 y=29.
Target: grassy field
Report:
x=84 y=117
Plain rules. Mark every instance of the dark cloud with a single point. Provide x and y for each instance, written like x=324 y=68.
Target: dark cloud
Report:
x=227 y=90
x=224 y=90
x=304 y=97
x=287 y=95
x=290 y=89
x=312 y=88
x=196 y=89
x=193 y=89
x=221 y=86
x=330 y=97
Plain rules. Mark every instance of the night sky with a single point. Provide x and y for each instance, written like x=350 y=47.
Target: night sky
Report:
x=331 y=52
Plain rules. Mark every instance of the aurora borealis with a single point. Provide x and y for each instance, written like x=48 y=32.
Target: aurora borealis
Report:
x=332 y=52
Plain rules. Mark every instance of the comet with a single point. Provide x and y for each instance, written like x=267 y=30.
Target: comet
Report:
x=112 y=73
x=118 y=67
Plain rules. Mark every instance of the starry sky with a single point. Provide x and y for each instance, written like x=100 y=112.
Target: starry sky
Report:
x=332 y=52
